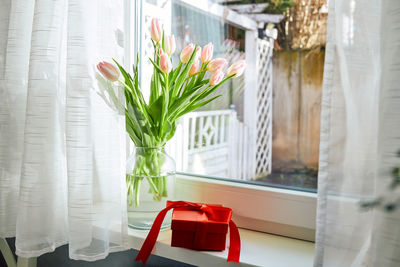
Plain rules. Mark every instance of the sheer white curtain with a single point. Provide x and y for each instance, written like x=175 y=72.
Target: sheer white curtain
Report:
x=62 y=149
x=360 y=134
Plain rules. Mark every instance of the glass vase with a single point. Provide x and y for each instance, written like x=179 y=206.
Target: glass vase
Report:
x=150 y=180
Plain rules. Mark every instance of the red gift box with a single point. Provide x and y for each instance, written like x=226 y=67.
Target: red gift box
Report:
x=195 y=226
x=196 y=229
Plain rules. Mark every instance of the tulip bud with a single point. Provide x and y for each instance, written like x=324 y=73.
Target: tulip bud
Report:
x=108 y=70
x=237 y=68
x=216 y=78
x=155 y=30
x=186 y=53
x=198 y=54
x=170 y=45
x=165 y=63
x=216 y=64
x=194 y=68
x=207 y=53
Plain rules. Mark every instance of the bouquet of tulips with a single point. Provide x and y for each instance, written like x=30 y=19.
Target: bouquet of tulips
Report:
x=173 y=93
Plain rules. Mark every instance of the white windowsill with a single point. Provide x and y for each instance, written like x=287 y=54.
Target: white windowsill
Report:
x=258 y=249
x=271 y=210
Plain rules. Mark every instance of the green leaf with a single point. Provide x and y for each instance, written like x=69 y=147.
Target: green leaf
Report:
x=167 y=127
x=172 y=131
x=209 y=90
x=171 y=74
x=191 y=83
x=201 y=74
x=143 y=125
x=153 y=92
x=181 y=78
x=127 y=77
x=133 y=128
x=156 y=67
x=163 y=40
x=198 y=85
x=155 y=109
x=147 y=140
x=137 y=95
x=177 y=71
x=199 y=105
x=178 y=102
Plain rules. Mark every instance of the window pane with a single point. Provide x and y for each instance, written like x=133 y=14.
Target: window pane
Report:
x=264 y=127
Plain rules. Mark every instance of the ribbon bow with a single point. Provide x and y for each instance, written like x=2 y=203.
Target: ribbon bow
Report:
x=147 y=247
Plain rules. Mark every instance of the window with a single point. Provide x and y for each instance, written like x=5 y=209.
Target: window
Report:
x=263 y=130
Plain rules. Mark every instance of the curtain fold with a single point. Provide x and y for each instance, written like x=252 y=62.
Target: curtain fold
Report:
x=62 y=149
x=360 y=126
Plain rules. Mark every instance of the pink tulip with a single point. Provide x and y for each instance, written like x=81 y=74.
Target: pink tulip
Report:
x=194 y=68
x=108 y=70
x=207 y=53
x=198 y=54
x=165 y=63
x=155 y=30
x=216 y=64
x=216 y=78
x=186 y=53
x=237 y=68
x=170 y=45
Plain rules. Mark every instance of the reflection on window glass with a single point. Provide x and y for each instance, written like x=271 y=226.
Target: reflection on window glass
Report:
x=265 y=126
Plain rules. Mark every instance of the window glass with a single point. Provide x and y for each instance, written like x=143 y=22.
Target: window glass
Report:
x=265 y=126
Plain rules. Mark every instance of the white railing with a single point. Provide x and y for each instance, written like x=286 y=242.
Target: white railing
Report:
x=211 y=143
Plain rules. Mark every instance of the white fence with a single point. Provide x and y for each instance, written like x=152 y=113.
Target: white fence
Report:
x=211 y=143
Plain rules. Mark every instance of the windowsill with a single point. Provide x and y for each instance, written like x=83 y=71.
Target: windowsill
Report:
x=258 y=249
x=271 y=210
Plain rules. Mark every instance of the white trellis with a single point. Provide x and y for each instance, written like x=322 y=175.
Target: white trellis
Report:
x=264 y=107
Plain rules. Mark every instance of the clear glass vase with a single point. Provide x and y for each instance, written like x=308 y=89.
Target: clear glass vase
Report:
x=150 y=180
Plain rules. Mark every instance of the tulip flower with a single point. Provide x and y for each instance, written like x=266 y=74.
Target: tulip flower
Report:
x=165 y=63
x=237 y=68
x=170 y=45
x=207 y=53
x=186 y=53
x=216 y=64
x=198 y=54
x=194 y=68
x=155 y=30
x=108 y=70
x=216 y=78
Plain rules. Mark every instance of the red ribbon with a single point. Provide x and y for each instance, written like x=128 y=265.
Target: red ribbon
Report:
x=148 y=245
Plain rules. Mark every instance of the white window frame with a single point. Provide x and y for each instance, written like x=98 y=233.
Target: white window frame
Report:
x=273 y=210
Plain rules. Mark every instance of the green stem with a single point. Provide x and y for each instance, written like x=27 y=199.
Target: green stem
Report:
x=129 y=189
x=164 y=106
x=196 y=73
x=137 y=191
x=153 y=185
x=164 y=186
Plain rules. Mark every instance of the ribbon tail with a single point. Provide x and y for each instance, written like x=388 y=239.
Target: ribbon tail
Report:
x=151 y=238
x=234 y=247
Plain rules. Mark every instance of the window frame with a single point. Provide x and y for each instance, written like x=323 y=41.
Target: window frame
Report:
x=278 y=211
